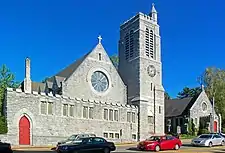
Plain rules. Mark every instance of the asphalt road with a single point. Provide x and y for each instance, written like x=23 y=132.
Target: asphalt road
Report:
x=132 y=149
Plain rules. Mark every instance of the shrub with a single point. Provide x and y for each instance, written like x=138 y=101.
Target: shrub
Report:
x=203 y=131
x=223 y=130
x=3 y=125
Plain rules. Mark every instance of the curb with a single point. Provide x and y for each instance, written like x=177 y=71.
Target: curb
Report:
x=32 y=147
x=51 y=147
x=125 y=144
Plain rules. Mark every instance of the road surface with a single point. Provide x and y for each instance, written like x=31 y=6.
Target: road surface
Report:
x=132 y=149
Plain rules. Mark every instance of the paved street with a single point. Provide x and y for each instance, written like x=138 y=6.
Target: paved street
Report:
x=131 y=149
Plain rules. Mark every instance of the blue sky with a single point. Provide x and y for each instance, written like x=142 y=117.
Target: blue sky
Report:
x=54 y=33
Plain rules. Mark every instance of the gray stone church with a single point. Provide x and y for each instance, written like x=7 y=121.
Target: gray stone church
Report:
x=92 y=96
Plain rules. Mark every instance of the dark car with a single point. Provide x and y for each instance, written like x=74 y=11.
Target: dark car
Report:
x=87 y=145
x=75 y=137
x=5 y=147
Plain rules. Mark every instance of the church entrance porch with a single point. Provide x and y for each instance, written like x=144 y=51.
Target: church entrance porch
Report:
x=24 y=131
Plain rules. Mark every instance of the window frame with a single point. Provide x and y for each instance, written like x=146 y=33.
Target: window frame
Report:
x=111 y=115
x=85 y=112
x=66 y=110
x=91 y=112
x=133 y=117
x=105 y=135
x=160 y=109
x=116 y=115
x=106 y=114
x=73 y=108
x=150 y=119
x=50 y=104
x=45 y=111
x=128 y=116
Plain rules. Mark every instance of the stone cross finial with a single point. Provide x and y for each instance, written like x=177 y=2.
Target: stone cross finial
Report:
x=99 y=39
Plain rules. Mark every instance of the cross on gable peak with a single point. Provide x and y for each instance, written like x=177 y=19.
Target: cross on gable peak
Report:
x=99 y=39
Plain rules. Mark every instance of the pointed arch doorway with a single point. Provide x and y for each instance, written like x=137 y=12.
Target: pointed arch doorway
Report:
x=215 y=126
x=24 y=131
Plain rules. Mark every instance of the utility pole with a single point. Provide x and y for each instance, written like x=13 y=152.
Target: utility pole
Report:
x=154 y=107
x=213 y=115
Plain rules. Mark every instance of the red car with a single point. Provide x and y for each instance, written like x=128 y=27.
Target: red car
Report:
x=157 y=143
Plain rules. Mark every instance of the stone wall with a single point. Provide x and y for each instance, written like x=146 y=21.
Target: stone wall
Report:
x=80 y=84
x=48 y=129
x=3 y=137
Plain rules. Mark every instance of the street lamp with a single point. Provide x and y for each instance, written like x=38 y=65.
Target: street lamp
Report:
x=154 y=108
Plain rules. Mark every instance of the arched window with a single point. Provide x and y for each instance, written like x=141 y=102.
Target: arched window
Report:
x=131 y=43
x=147 y=42
x=151 y=44
x=127 y=46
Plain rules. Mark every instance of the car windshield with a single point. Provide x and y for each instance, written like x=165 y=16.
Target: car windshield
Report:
x=206 y=136
x=72 y=137
x=153 y=138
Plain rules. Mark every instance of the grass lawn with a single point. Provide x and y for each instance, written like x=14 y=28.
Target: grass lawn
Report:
x=187 y=137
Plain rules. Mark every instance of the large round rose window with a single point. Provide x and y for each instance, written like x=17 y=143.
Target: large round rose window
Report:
x=99 y=81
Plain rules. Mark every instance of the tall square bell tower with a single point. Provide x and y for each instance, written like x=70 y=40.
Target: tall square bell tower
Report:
x=140 y=67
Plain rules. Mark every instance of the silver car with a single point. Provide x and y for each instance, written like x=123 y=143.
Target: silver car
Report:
x=208 y=140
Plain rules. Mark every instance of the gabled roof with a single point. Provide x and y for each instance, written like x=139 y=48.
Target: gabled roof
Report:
x=68 y=71
x=177 y=107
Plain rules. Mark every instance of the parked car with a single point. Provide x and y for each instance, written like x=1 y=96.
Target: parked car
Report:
x=87 y=145
x=157 y=143
x=208 y=140
x=75 y=137
x=5 y=147
x=222 y=134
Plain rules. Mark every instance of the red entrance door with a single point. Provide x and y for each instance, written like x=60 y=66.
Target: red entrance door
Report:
x=24 y=131
x=215 y=126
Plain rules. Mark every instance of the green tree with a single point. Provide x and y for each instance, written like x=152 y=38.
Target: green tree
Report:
x=188 y=92
x=115 y=60
x=166 y=95
x=214 y=81
x=43 y=81
x=7 y=79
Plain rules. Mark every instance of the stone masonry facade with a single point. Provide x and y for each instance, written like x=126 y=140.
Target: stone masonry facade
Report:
x=141 y=70
x=92 y=96
x=48 y=129
x=197 y=111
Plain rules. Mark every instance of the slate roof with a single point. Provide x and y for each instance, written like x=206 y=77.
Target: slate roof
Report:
x=177 y=107
x=68 y=71
x=38 y=86
x=35 y=86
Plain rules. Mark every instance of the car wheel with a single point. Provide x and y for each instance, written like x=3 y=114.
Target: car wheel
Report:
x=210 y=144
x=106 y=150
x=176 y=147
x=222 y=143
x=157 y=148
